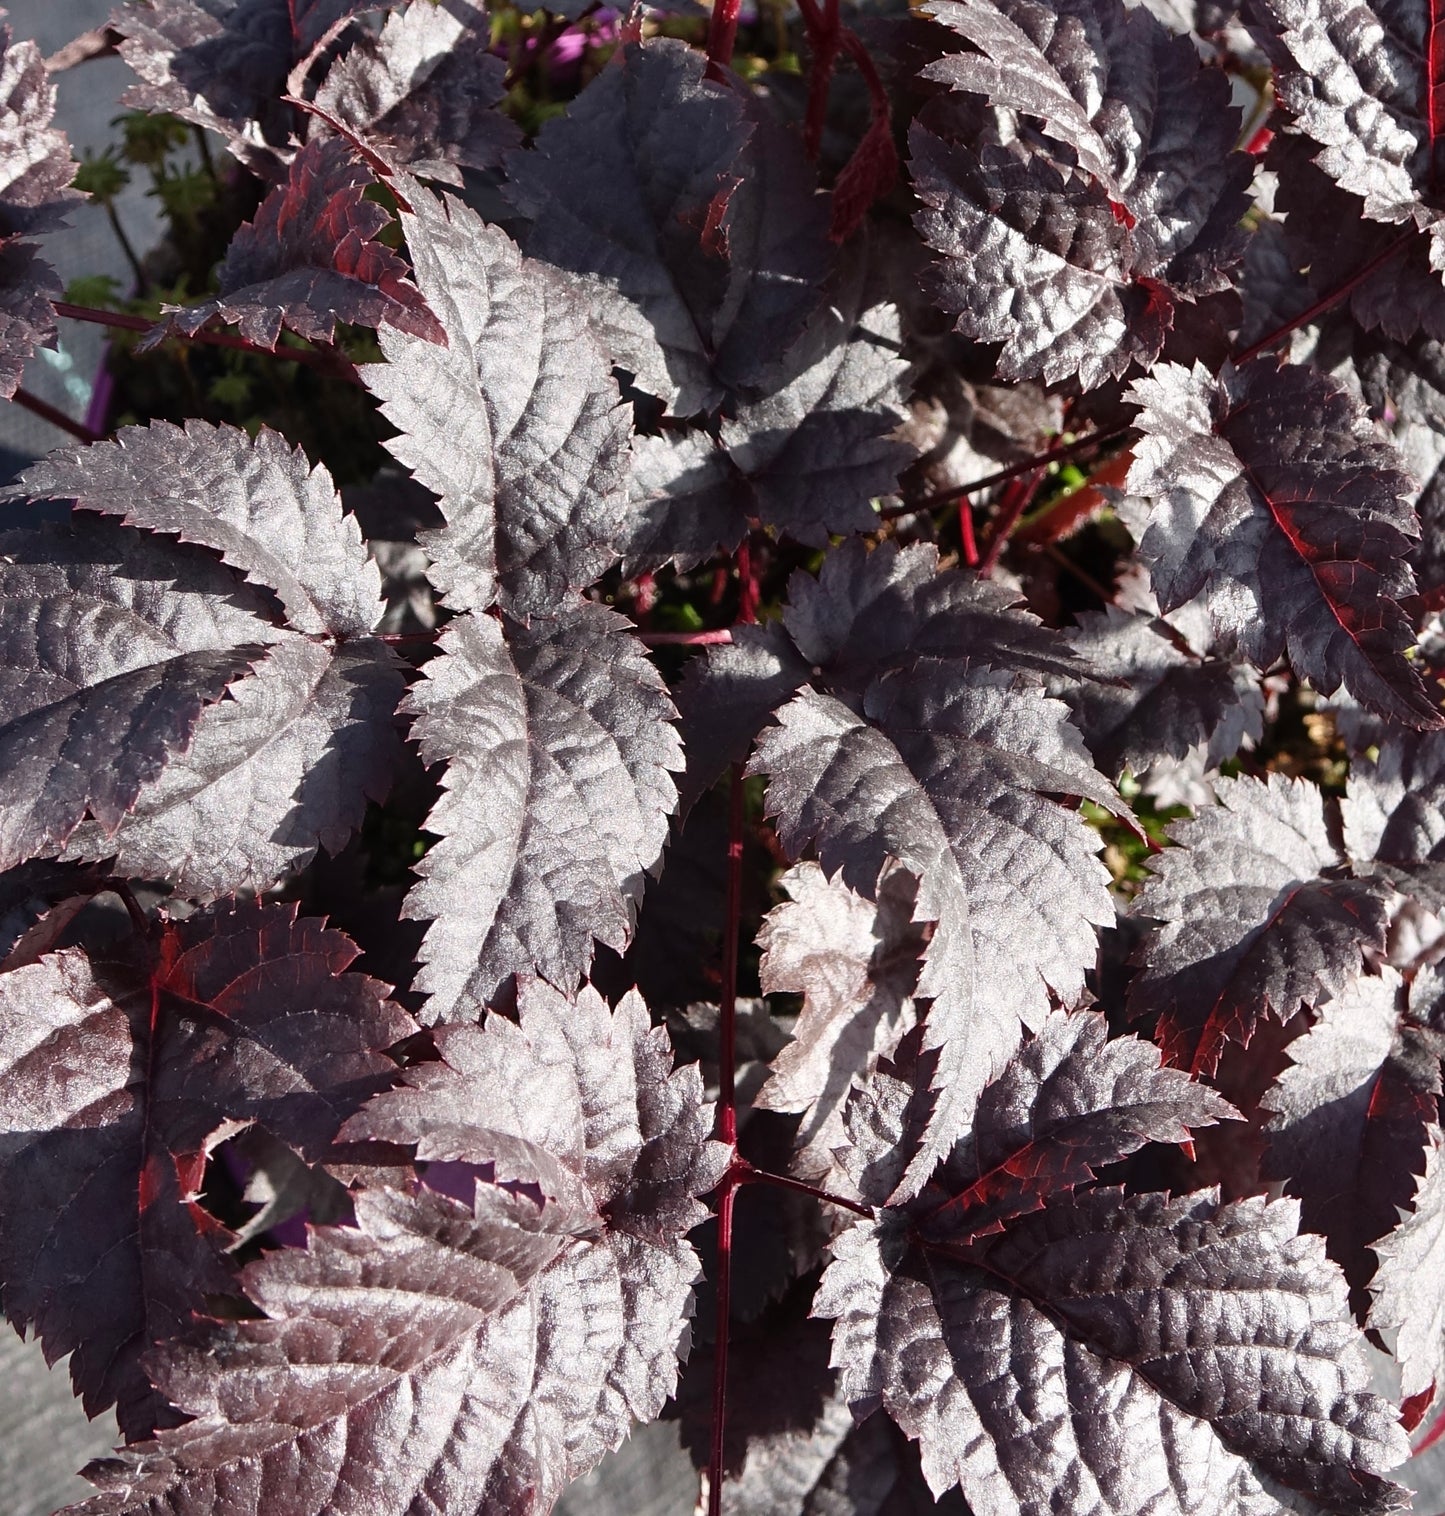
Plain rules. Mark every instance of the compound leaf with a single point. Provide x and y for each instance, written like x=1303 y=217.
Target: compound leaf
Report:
x=1033 y=1336
x=224 y=64
x=1364 y=83
x=558 y=743
x=867 y=612
x=1069 y=1102
x=516 y=423
x=1153 y=697
x=1392 y=813
x=254 y=499
x=1273 y=497
x=1065 y=1352
x=515 y=1335
x=695 y=224
x=1350 y=1117
x=1256 y=918
x=1074 y=250
x=961 y=773
x=113 y=647
x=119 y=1074
x=855 y=962
x=807 y=458
x=35 y=173
x=287 y=763
x=424 y=91
x=311 y=258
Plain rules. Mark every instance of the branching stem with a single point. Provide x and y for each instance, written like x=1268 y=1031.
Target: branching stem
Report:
x=1017 y=499
x=334 y=363
x=745 y=1173
x=1057 y=454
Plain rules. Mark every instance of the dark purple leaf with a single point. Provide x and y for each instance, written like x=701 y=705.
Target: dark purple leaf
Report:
x=1066 y=1353
x=728 y=696
x=286 y=763
x=1069 y=1102
x=1272 y=495
x=1327 y=240
x=1257 y=918
x=35 y=163
x=424 y=91
x=517 y=1335
x=311 y=258
x=255 y=500
x=119 y=1075
x=1403 y=385
x=1349 y=1118
x=35 y=172
x=1365 y=84
x=1408 y=1296
x=867 y=613
x=558 y=744
x=121 y=646
x=840 y=1465
x=855 y=962
x=28 y=284
x=807 y=459
x=1153 y=697
x=224 y=64
x=963 y=775
x=27 y=895
x=1073 y=249
x=515 y=423
x=1393 y=806
x=112 y=647
x=694 y=223
x=1034 y=1339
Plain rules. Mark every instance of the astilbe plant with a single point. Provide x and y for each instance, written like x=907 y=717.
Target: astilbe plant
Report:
x=846 y=513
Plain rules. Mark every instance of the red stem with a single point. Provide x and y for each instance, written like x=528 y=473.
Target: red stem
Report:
x=48 y=412
x=1039 y=460
x=722 y=33
x=823 y=38
x=747 y=1174
x=727 y=1116
x=727 y=1130
x=749 y=590
x=721 y=636
x=725 y=1200
x=1016 y=501
x=1435 y=84
x=1333 y=298
x=333 y=362
x=1113 y=433
x=965 y=534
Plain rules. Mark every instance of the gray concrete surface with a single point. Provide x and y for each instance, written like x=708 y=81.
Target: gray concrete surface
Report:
x=45 y=1439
